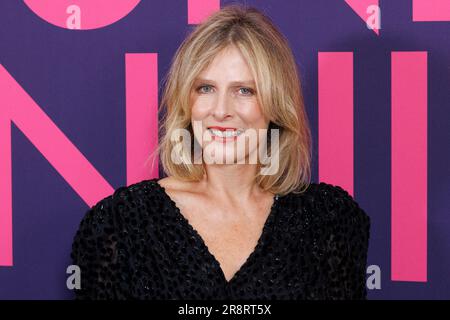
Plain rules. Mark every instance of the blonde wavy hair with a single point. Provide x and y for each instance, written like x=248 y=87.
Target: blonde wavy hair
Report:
x=278 y=89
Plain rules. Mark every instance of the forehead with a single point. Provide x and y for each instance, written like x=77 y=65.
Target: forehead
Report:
x=228 y=65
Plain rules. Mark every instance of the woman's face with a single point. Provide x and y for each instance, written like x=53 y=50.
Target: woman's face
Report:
x=224 y=96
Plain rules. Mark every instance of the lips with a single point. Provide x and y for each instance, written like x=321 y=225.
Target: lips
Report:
x=222 y=128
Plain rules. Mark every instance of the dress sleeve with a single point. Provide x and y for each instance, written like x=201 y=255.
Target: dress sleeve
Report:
x=346 y=248
x=95 y=252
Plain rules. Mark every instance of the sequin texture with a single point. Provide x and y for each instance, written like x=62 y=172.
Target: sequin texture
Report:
x=135 y=244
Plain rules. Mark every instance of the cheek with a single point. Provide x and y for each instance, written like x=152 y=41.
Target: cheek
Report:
x=199 y=109
x=251 y=113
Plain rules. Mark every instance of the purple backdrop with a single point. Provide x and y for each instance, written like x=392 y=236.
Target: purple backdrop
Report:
x=78 y=79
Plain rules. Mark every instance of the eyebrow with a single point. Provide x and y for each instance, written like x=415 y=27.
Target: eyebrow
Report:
x=241 y=82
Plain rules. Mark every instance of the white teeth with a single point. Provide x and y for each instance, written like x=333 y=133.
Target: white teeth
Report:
x=225 y=134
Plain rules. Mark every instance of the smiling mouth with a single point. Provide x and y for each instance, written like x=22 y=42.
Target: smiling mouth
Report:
x=228 y=133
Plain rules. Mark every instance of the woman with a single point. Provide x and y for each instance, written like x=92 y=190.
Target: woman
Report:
x=228 y=230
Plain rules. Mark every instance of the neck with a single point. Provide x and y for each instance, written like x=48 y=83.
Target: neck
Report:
x=234 y=183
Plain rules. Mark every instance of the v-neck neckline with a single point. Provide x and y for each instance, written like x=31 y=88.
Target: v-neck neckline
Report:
x=193 y=232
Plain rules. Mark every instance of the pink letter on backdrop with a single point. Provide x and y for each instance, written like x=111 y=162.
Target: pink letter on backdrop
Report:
x=360 y=8
x=409 y=166
x=6 y=257
x=336 y=119
x=142 y=139
x=199 y=10
x=142 y=115
x=431 y=10
x=71 y=164
x=93 y=13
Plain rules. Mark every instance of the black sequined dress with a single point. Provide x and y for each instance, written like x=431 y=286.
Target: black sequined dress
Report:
x=135 y=244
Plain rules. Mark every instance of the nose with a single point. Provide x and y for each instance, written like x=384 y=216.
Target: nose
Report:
x=222 y=107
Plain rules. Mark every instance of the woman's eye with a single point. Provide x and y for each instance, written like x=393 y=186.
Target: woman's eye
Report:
x=199 y=89
x=246 y=91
